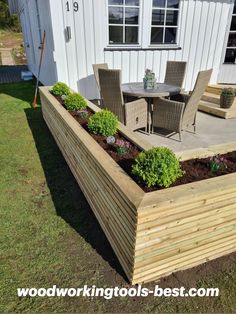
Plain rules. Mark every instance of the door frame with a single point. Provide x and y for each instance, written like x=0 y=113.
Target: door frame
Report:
x=222 y=64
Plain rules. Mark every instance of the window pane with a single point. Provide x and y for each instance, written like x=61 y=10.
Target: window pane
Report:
x=233 y=24
x=132 y=2
x=116 y=2
x=171 y=18
x=234 y=12
x=131 y=16
x=158 y=17
x=157 y=35
x=116 y=35
x=159 y=3
x=232 y=40
x=173 y=3
x=131 y=35
x=230 y=55
x=115 y=15
x=170 y=35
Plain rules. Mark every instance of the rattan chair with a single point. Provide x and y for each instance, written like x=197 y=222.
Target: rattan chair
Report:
x=132 y=114
x=95 y=71
x=180 y=111
x=175 y=72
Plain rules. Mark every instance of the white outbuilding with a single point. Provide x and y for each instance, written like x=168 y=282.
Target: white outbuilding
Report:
x=130 y=35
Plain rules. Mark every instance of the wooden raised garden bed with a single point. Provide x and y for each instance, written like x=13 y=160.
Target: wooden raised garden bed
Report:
x=153 y=234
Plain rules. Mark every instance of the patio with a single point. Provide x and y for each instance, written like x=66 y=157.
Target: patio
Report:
x=210 y=131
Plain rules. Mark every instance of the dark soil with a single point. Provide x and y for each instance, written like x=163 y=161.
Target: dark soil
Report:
x=195 y=169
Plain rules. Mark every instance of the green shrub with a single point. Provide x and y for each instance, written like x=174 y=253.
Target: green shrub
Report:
x=103 y=123
x=228 y=92
x=75 y=101
x=157 y=166
x=60 y=89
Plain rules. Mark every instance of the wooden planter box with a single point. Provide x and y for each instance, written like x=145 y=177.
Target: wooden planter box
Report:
x=157 y=233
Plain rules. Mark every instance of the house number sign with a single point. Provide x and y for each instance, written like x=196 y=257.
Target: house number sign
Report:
x=75 y=6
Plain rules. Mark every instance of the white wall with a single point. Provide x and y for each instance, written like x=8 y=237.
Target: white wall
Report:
x=201 y=38
x=30 y=27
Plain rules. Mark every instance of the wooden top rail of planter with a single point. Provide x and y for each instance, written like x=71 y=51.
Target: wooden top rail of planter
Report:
x=153 y=234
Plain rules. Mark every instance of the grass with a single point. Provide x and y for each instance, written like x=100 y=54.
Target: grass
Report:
x=49 y=235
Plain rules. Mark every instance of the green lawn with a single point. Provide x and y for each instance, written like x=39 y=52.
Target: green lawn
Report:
x=49 y=236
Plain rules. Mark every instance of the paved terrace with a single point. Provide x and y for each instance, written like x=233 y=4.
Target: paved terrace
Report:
x=210 y=131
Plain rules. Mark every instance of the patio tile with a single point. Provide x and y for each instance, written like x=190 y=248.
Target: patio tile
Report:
x=210 y=130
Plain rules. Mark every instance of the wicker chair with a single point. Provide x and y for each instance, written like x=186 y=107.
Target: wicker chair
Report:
x=95 y=71
x=175 y=72
x=133 y=114
x=180 y=111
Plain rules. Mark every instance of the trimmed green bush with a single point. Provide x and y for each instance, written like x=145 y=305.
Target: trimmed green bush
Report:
x=157 y=167
x=75 y=101
x=103 y=123
x=60 y=89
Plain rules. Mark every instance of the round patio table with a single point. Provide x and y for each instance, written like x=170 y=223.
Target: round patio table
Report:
x=161 y=90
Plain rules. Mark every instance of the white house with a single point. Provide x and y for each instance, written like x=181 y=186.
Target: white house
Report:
x=131 y=35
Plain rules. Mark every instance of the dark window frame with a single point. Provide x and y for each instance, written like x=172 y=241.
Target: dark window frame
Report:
x=232 y=47
x=124 y=25
x=164 y=26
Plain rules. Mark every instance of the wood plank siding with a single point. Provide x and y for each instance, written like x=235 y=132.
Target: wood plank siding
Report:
x=202 y=29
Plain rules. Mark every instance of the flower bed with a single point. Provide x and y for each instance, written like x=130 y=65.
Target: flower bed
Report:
x=152 y=233
x=125 y=154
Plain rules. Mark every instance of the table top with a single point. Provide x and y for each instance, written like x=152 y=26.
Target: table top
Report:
x=162 y=90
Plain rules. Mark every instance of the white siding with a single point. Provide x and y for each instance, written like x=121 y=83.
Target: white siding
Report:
x=32 y=39
x=202 y=29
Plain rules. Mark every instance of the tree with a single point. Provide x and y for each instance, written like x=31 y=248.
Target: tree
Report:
x=6 y=20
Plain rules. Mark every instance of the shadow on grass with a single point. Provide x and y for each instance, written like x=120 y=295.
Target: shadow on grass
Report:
x=69 y=201
x=23 y=90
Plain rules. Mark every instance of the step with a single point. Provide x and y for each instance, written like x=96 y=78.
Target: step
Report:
x=214 y=90
x=209 y=97
x=214 y=109
x=217 y=89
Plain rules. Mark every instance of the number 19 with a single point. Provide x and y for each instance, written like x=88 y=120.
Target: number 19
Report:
x=75 y=6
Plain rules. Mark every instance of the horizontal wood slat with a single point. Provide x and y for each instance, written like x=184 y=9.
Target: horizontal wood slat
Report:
x=157 y=233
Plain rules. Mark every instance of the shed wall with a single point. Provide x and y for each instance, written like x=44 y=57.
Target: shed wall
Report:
x=33 y=29
x=202 y=31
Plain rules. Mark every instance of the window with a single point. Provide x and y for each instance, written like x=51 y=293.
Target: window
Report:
x=143 y=23
x=123 y=21
x=230 y=55
x=164 y=21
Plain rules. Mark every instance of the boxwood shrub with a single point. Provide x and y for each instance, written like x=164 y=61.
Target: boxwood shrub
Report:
x=157 y=167
x=60 y=89
x=103 y=122
x=75 y=101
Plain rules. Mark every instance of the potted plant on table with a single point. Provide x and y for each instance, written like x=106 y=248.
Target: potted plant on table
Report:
x=149 y=80
x=227 y=97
